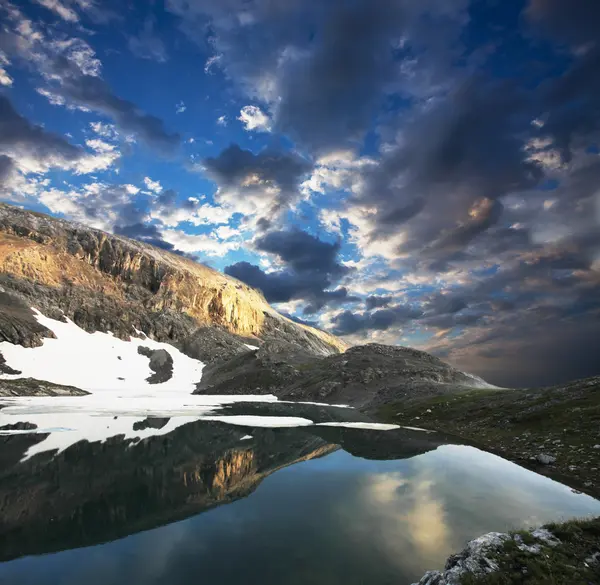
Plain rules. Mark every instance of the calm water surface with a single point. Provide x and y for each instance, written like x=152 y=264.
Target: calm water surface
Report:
x=307 y=505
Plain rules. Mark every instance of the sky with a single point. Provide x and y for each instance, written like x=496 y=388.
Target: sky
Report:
x=416 y=173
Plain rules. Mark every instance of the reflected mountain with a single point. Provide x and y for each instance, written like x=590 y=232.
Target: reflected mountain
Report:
x=97 y=492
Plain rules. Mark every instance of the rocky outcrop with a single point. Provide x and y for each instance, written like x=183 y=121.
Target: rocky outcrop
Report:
x=488 y=554
x=161 y=363
x=364 y=376
x=33 y=387
x=106 y=282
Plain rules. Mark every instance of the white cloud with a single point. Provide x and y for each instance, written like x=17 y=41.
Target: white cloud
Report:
x=254 y=118
x=222 y=120
x=212 y=62
x=100 y=145
x=196 y=213
x=92 y=163
x=339 y=170
x=204 y=243
x=180 y=108
x=154 y=186
x=5 y=78
x=60 y=9
x=104 y=130
x=226 y=232
x=53 y=98
x=131 y=189
x=79 y=53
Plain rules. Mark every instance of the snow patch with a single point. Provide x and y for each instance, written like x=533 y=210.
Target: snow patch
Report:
x=83 y=427
x=478 y=382
x=252 y=347
x=246 y=438
x=96 y=361
x=261 y=421
x=360 y=425
x=417 y=429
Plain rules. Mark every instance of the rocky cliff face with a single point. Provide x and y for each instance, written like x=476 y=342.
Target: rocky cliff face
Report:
x=106 y=282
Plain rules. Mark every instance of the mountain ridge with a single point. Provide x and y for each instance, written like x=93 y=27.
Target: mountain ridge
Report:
x=103 y=281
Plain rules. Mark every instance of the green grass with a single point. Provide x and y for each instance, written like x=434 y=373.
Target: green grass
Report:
x=563 y=564
x=520 y=424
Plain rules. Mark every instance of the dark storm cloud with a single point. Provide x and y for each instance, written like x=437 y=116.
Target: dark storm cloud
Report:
x=271 y=176
x=572 y=103
x=331 y=95
x=311 y=269
x=325 y=67
x=303 y=253
x=349 y=323
x=464 y=151
x=234 y=165
x=18 y=136
x=522 y=352
x=574 y=22
x=7 y=170
x=439 y=304
x=377 y=302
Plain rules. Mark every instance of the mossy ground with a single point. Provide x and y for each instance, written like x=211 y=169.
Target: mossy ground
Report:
x=569 y=563
x=563 y=422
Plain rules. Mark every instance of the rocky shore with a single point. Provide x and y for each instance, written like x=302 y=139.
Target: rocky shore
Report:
x=557 y=554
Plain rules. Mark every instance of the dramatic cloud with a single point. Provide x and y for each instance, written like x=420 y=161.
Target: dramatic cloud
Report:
x=34 y=150
x=349 y=323
x=324 y=70
x=72 y=72
x=574 y=22
x=261 y=185
x=376 y=302
x=254 y=118
x=311 y=269
x=424 y=173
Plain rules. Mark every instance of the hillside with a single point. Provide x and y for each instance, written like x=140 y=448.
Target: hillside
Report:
x=105 y=282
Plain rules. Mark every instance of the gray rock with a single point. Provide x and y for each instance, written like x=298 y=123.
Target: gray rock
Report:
x=546 y=459
x=481 y=555
x=32 y=387
x=161 y=363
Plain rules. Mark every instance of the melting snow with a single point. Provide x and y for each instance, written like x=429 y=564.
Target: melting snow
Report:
x=97 y=361
x=115 y=374
x=261 y=421
x=252 y=347
x=360 y=425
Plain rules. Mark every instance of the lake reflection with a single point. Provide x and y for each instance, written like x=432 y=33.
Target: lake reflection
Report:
x=286 y=506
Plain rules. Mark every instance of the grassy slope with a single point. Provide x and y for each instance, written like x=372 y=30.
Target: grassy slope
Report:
x=563 y=422
x=572 y=562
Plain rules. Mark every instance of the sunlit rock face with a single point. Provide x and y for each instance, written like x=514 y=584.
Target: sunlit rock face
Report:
x=105 y=282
